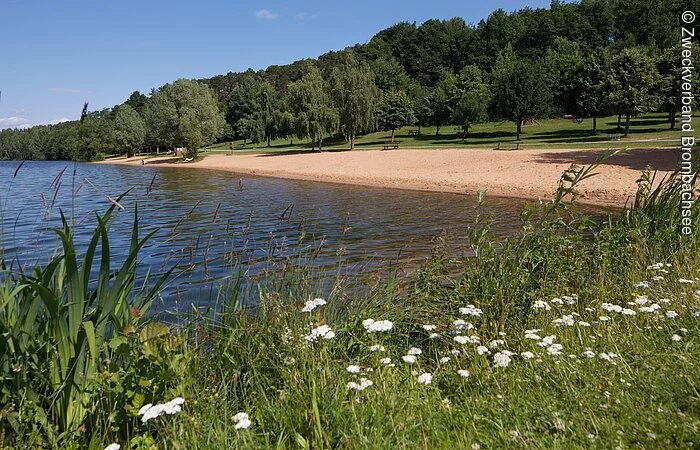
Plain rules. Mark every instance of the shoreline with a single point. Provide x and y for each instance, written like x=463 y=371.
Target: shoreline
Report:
x=528 y=174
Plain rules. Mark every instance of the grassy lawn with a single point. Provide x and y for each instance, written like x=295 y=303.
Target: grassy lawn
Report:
x=650 y=130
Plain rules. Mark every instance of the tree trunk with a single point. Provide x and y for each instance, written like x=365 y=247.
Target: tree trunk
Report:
x=418 y=129
x=627 y=124
x=437 y=131
x=619 y=119
x=519 y=129
x=352 y=141
x=672 y=113
x=595 y=126
x=268 y=140
x=392 y=135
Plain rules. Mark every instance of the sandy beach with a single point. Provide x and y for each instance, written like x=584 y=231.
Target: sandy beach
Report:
x=522 y=173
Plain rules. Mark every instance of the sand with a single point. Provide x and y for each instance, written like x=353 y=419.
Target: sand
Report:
x=519 y=173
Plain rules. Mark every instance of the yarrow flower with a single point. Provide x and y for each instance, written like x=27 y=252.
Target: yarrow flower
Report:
x=547 y=341
x=608 y=357
x=540 y=304
x=460 y=339
x=433 y=336
x=611 y=308
x=629 y=312
x=554 y=349
x=675 y=338
x=460 y=325
x=425 y=379
x=684 y=281
x=589 y=353
x=323 y=331
x=353 y=369
x=414 y=351
x=429 y=327
x=376 y=326
x=151 y=411
x=463 y=373
x=564 y=320
x=113 y=446
x=410 y=359
x=642 y=285
x=385 y=361
x=310 y=305
x=445 y=359
x=377 y=348
x=241 y=420
x=581 y=323
x=361 y=386
x=481 y=350
x=527 y=355
x=501 y=359
x=470 y=310
x=671 y=314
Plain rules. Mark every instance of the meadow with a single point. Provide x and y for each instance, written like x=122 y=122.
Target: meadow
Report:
x=650 y=130
x=573 y=333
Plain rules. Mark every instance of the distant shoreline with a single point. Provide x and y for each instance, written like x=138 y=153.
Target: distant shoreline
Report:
x=530 y=174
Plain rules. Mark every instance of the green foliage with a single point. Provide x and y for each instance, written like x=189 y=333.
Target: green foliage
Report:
x=395 y=110
x=473 y=99
x=129 y=130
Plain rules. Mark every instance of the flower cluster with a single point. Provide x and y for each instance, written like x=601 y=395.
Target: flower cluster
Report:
x=151 y=411
x=376 y=326
x=310 y=305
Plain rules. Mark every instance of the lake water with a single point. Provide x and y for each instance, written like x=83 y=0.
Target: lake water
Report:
x=205 y=219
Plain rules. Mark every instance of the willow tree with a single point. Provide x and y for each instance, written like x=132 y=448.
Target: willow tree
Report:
x=395 y=111
x=308 y=100
x=355 y=95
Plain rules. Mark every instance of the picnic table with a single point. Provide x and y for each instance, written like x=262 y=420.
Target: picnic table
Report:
x=413 y=132
x=388 y=145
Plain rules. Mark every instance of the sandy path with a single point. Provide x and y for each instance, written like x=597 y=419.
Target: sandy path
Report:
x=522 y=173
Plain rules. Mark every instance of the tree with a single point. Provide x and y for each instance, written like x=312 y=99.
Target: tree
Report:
x=251 y=96
x=309 y=101
x=395 y=111
x=629 y=82
x=95 y=135
x=129 y=130
x=439 y=108
x=565 y=62
x=138 y=102
x=520 y=89
x=591 y=98
x=185 y=113
x=473 y=98
x=355 y=96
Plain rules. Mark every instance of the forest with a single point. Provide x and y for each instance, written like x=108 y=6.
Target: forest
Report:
x=587 y=59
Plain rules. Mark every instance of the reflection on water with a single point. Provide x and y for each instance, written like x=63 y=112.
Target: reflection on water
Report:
x=208 y=219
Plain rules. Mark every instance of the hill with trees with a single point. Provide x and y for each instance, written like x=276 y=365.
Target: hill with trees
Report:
x=587 y=59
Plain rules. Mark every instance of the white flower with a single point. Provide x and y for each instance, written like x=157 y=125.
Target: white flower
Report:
x=531 y=335
x=445 y=359
x=470 y=310
x=463 y=373
x=570 y=299
x=664 y=300
x=684 y=330
x=150 y=411
x=540 y=304
x=603 y=318
x=675 y=338
x=385 y=361
x=611 y=308
x=547 y=341
x=496 y=342
x=377 y=348
x=460 y=339
x=671 y=314
x=414 y=351
x=641 y=300
x=377 y=326
x=310 y=305
x=434 y=336
x=629 y=312
x=554 y=349
x=501 y=359
x=409 y=359
x=361 y=386
x=583 y=324
x=482 y=350
x=608 y=357
x=460 y=325
x=323 y=331
x=642 y=285
x=425 y=379
x=589 y=353
x=455 y=352
x=564 y=320
x=113 y=446
x=684 y=281
x=527 y=355
x=557 y=301
x=429 y=327
x=657 y=278
x=353 y=369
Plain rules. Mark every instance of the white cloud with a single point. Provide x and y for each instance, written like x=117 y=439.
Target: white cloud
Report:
x=300 y=16
x=14 y=122
x=56 y=121
x=64 y=90
x=266 y=14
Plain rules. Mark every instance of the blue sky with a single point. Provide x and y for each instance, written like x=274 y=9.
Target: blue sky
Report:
x=55 y=55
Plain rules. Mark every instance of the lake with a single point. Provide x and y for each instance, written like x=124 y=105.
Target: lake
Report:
x=207 y=219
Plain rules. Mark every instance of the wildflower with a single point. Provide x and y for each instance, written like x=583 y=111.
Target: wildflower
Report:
x=463 y=373
x=434 y=336
x=353 y=369
x=445 y=359
x=675 y=338
x=589 y=309
x=410 y=359
x=611 y=308
x=241 y=420
x=657 y=278
x=547 y=341
x=460 y=325
x=385 y=361
x=642 y=285
x=151 y=411
x=502 y=334
x=589 y=353
x=607 y=357
x=684 y=281
x=361 y=386
x=696 y=314
x=603 y=318
x=671 y=314
x=460 y=339
x=414 y=351
x=429 y=327
x=373 y=326
x=323 y=331
x=664 y=300
x=377 y=348
x=496 y=342
x=684 y=330
x=540 y=304
x=581 y=323
x=287 y=336
x=564 y=320
x=513 y=434
x=113 y=446
x=527 y=355
x=455 y=352
x=310 y=305
x=425 y=379
x=641 y=300
x=501 y=359
x=646 y=309
x=629 y=312
x=482 y=350
x=531 y=335
x=570 y=299
x=554 y=349
x=470 y=310
x=557 y=301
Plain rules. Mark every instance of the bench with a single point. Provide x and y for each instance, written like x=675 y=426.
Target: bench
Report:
x=517 y=147
x=413 y=132
x=394 y=145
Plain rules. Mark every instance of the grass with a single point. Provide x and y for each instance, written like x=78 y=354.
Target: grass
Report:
x=251 y=355
x=650 y=130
